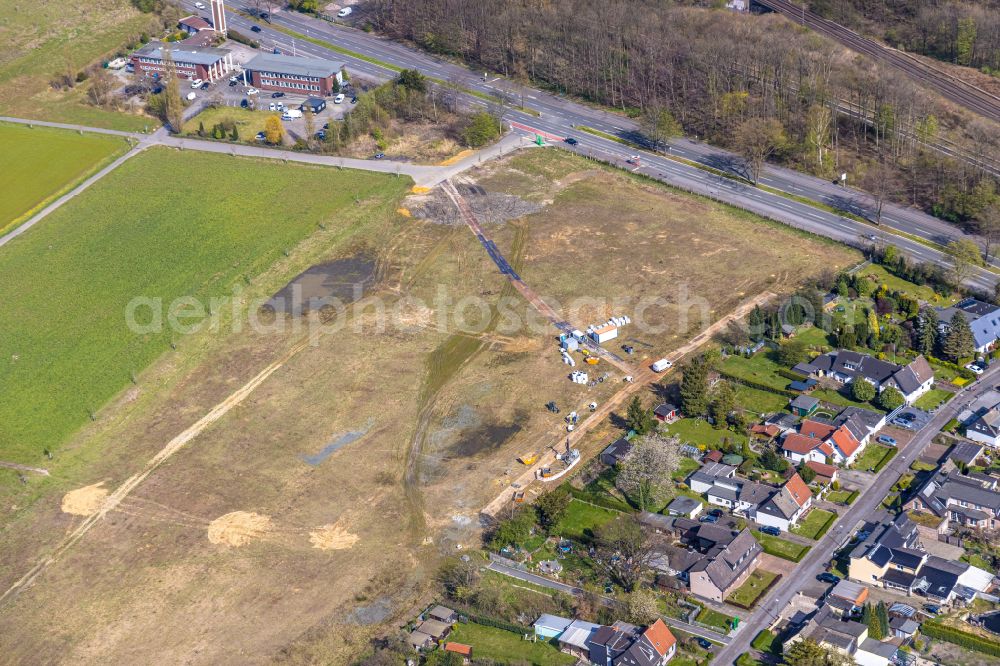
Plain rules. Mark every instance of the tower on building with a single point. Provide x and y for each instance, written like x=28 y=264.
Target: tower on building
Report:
x=219 y=17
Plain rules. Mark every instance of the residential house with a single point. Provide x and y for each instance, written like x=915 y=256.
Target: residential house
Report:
x=192 y=25
x=863 y=423
x=829 y=630
x=725 y=566
x=799 y=448
x=841 y=441
x=684 y=506
x=434 y=628
x=966 y=452
x=985 y=429
x=904 y=628
x=983 y=319
x=891 y=547
x=784 y=421
x=765 y=431
x=825 y=474
x=575 y=640
x=785 y=507
x=702 y=480
x=846 y=596
x=419 y=640
x=616 y=452
x=844 y=366
x=624 y=644
x=968 y=501
x=666 y=412
x=874 y=653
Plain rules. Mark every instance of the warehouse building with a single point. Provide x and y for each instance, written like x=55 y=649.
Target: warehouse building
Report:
x=294 y=74
x=190 y=62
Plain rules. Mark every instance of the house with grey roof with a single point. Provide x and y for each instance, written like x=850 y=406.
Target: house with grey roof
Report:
x=725 y=566
x=983 y=319
x=702 y=479
x=845 y=366
x=969 y=501
x=985 y=428
x=966 y=452
x=685 y=506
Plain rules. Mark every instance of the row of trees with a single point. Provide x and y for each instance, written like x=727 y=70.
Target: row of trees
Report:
x=758 y=86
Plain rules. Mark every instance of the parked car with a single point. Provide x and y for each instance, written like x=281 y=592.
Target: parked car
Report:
x=191 y=96
x=339 y=99
x=885 y=439
x=199 y=5
x=204 y=86
x=345 y=12
x=715 y=512
x=354 y=100
x=708 y=519
x=978 y=367
x=255 y=28
x=770 y=529
x=932 y=609
x=321 y=135
x=196 y=83
x=232 y=83
x=277 y=95
x=378 y=156
x=827 y=577
x=280 y=106
x=252 y=91
x=272 y=107
x=704 y=643
x=244 y=103
x=261 y=137
x=571 y=141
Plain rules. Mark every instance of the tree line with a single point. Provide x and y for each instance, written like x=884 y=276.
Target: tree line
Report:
x=758 y=85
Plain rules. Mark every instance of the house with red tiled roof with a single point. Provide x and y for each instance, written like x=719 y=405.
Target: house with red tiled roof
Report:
x=846 y=446
x=798 y=447
x=824 y=442
x=825 y=474
x=461 y=649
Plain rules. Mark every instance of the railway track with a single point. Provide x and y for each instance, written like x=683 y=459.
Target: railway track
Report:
x=960 y=92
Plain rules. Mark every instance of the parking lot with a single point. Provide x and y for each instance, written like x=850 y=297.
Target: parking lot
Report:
x=911 y=418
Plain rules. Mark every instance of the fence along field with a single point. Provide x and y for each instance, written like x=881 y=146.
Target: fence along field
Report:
x=40 y=163
x=64 y=346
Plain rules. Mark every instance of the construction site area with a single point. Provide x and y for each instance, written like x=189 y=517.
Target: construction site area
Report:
x=262 y=482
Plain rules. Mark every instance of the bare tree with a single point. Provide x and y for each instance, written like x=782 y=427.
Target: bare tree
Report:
x=758 y=139
x=965 y=258
x=877 y=180
x=623 y=550
x=987 y=225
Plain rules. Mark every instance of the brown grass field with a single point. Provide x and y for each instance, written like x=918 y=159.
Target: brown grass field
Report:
x=236 y=549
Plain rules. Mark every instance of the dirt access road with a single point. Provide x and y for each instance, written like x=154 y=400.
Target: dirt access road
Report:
x=642 y=376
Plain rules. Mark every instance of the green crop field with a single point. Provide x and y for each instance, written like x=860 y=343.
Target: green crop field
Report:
x=40 y=163
x=151 y=228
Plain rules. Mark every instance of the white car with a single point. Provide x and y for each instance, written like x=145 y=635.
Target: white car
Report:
x=339 y=99
x=191 y=96
x=199 y=5
x=280 y=106
x=196 y=83
x=346 y=11
x=272 y=107
x=252 y=91
x=977 y=367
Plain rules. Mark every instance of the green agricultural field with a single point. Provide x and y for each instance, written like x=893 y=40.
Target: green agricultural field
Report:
x=46 y=40
x=65 y=349
x=40 y=163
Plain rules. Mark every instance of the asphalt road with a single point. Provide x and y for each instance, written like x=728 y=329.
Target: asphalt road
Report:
x=571 y=590
x=865 y=506
x=560 y=117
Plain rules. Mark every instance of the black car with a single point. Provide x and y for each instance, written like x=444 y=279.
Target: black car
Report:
x=378 y=156
x=255 y=28
x=244 y=103
x=233 y=83
x=827 y=577
x=715 y=512
x=354 y=100
x=265 y=16
x=704 y=644
x=277 y=95
x=769 y=529
x=204 y=86
x=571 y=141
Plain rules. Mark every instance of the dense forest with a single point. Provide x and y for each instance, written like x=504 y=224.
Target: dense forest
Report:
x=725 y=77
x=957 y=31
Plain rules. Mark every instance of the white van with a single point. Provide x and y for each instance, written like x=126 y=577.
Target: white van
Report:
x=661 y=365
x=291 y=114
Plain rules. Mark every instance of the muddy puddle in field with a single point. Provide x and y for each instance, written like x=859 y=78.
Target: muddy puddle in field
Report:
x=331 y=284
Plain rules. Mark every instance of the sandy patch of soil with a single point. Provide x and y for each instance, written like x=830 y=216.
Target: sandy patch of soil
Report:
x=332 y=537
x=85 y=501
x=238 y=528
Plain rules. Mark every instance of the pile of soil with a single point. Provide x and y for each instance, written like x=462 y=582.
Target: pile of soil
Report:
x=85 y=501
x=238 y=528
x=489 y=207
x=332 y=537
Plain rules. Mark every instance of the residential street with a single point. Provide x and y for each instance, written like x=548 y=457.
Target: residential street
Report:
x=561 y=117
x=865 y=506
